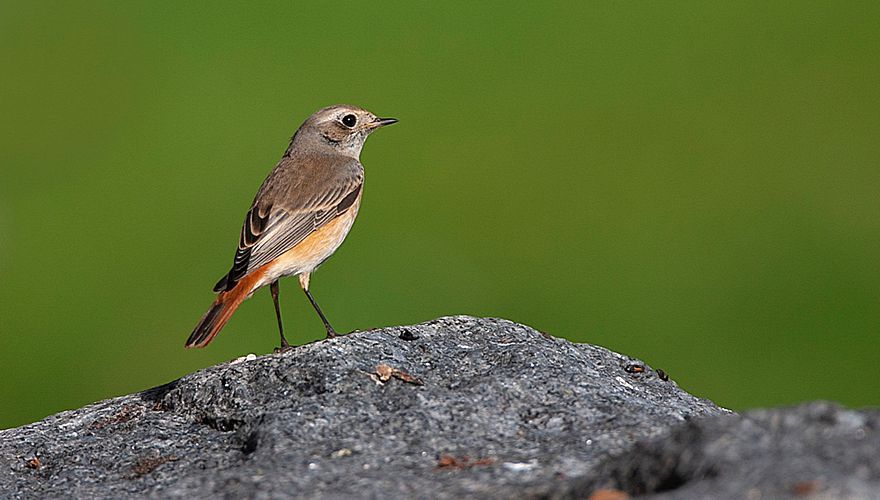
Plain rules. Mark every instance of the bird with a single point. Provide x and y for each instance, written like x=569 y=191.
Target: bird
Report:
x=300 y=215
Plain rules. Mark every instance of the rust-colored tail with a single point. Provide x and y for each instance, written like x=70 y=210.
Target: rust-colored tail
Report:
x=221 y=310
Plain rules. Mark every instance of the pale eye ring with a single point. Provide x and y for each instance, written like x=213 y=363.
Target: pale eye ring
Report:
x=349 y=121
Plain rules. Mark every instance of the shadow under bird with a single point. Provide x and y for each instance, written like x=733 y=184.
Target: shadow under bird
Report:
x=299 y=217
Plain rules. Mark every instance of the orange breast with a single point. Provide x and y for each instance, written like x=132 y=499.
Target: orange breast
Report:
x=314 y=249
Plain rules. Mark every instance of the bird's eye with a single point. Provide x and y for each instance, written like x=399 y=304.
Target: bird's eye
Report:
x=349 y=120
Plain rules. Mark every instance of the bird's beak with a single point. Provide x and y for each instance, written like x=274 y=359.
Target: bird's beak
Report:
x=381 y=122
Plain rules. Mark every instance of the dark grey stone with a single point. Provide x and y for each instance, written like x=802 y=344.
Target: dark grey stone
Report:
x=816 y=450
x=502 y=408
x=464 y=407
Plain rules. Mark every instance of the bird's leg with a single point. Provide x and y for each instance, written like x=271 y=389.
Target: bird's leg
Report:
x=304 y=282
x=274 y=289
x=330 y=331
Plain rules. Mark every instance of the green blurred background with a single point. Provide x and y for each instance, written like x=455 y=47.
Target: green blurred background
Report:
x=695 y=183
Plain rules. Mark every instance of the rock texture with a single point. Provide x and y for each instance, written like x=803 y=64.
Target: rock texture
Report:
x=817 y=450
x=456 y=407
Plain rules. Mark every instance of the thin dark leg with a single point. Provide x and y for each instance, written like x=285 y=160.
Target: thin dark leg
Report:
x=330 y=331
x=274 y=289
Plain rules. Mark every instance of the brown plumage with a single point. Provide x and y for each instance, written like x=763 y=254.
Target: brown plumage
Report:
x=300 y=215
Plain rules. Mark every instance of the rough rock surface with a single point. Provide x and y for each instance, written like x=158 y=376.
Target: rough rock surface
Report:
x=462 y=407
x=456 y=407
x=816 y=450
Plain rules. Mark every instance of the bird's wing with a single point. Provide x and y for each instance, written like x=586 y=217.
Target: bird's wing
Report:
x=286 y=212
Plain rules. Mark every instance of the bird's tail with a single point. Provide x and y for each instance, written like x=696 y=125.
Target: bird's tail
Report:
x=221 y=310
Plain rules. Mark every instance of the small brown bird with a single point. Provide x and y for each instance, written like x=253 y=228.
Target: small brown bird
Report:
x=300 y=215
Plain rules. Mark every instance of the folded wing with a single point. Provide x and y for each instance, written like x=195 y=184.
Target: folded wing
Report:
x=283 y=216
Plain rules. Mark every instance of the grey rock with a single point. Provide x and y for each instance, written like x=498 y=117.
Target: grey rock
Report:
x=456 y=407
x=817 y=450
x=502 y=410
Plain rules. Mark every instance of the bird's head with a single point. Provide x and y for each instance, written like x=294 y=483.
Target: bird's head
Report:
x=341 y=127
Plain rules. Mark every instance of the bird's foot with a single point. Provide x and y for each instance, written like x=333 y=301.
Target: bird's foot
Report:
x=283 y=348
